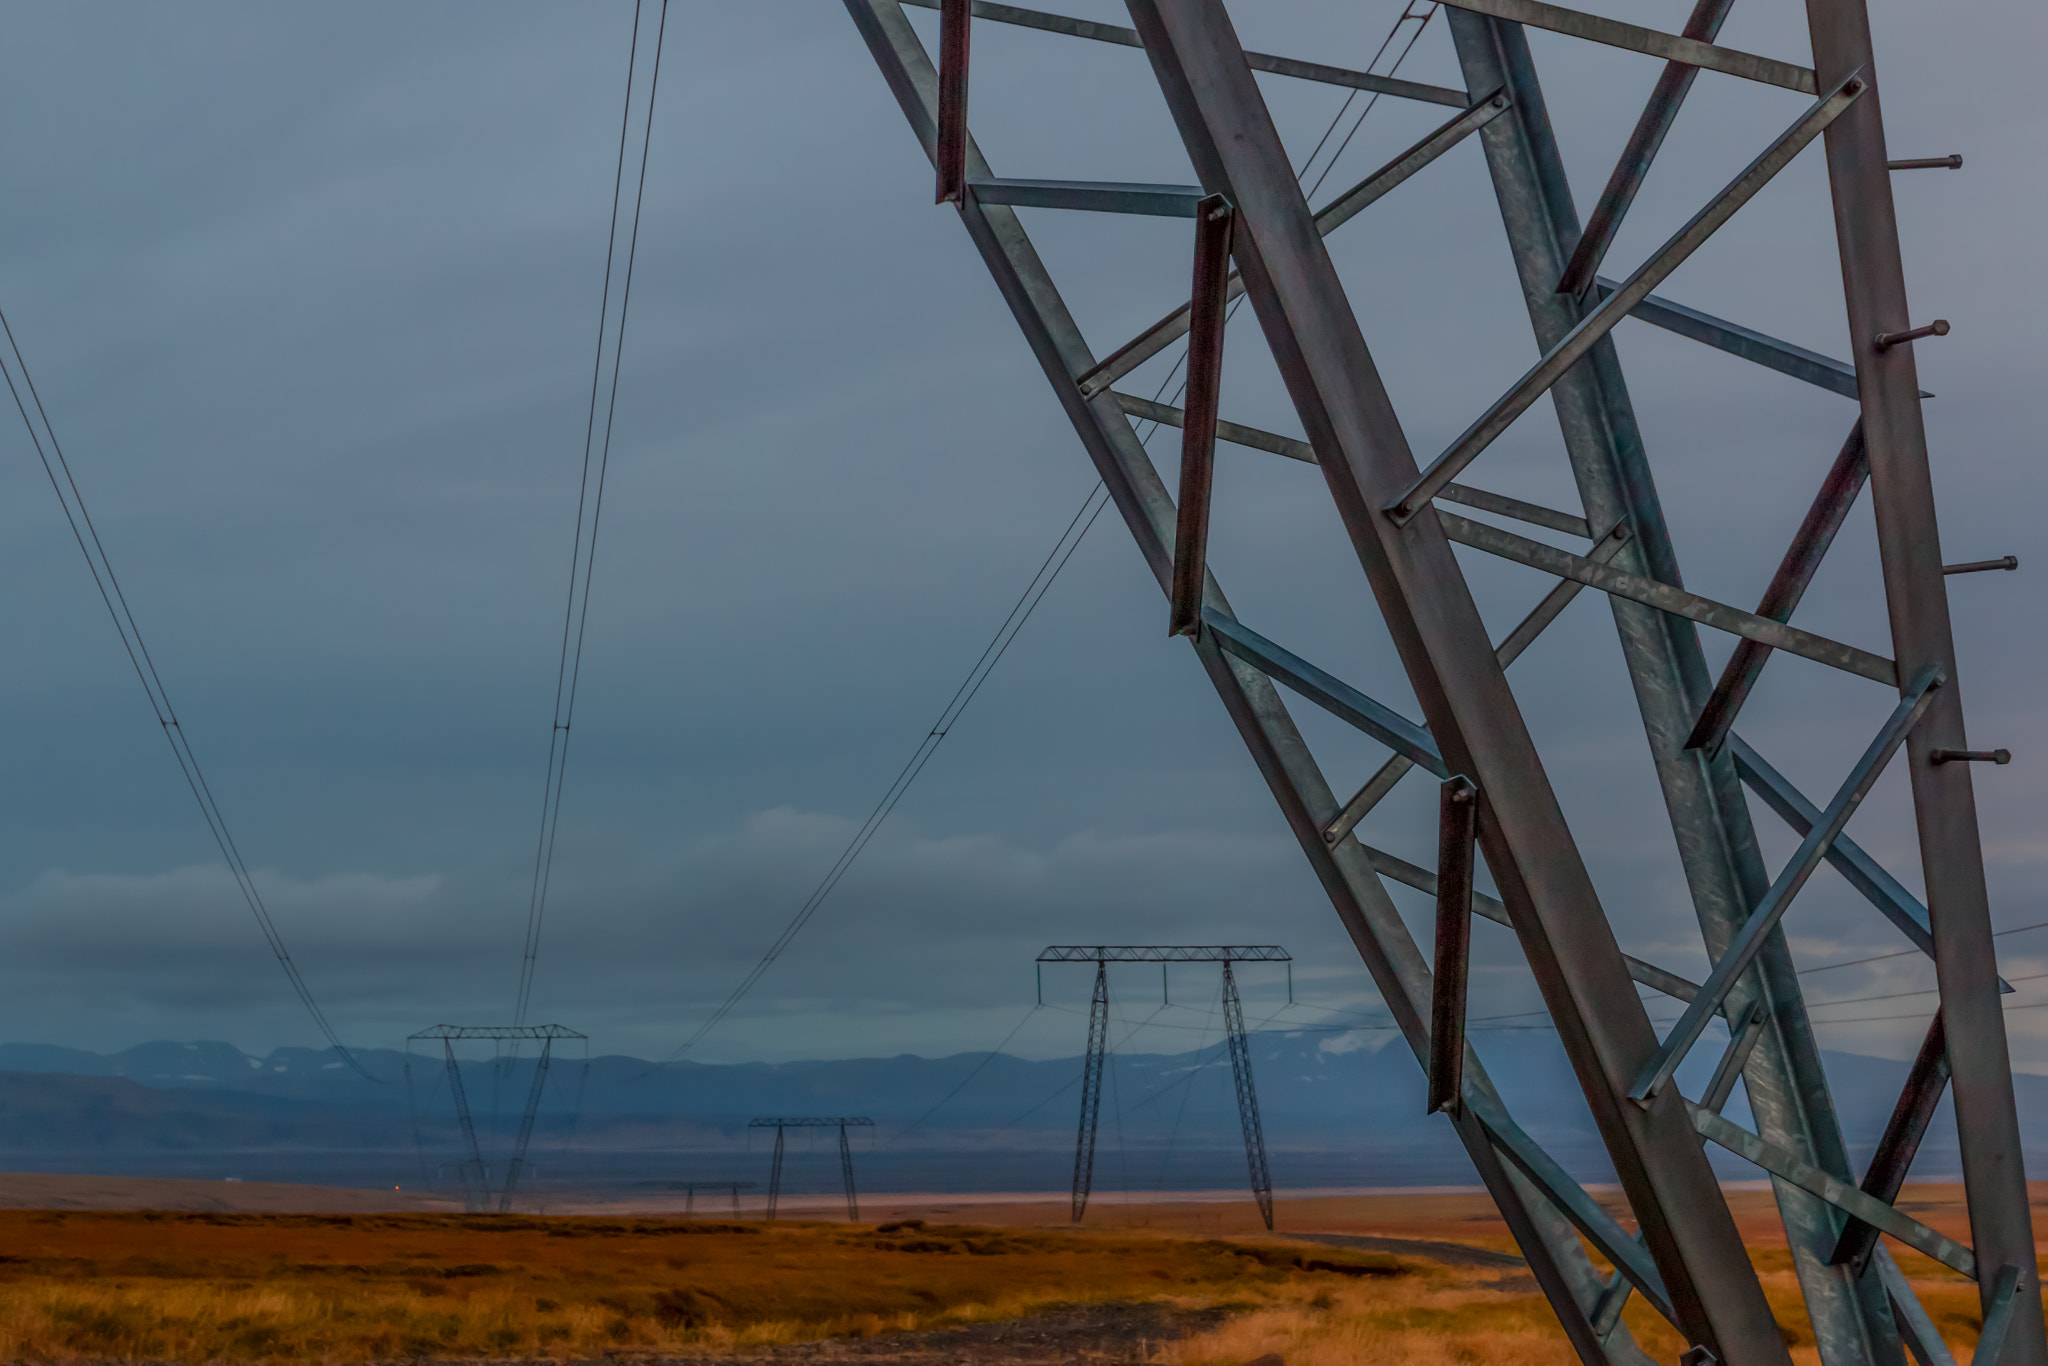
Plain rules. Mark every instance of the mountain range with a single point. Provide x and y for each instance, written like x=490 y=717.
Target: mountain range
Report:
x=1335 y=1112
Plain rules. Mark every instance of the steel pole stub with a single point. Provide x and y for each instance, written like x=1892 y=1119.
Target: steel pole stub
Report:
x=1887 y=340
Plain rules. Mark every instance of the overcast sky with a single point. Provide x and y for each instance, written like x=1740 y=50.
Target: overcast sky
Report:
x=311 y=292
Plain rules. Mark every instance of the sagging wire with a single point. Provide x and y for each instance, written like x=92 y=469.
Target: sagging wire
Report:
x=51 y=453
x=1027 y=603
x=583 y=552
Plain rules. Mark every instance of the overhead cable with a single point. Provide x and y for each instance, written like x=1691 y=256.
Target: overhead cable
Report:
x=1903 y=953
x=590 y=499
x=87 y=535
x=986 y=1059
x=991 y=655
x=999 y=644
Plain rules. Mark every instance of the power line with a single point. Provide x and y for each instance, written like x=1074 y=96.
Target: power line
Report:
x=1173 y=1134
x=1071 y=1082
x=1915 y=1015
x=1428 y=13
x=1904 y=953
x=108 y=583
x=986 y=1059
x=583 y=555
x=1899 y=995
x=999 y=644
x=991 y=655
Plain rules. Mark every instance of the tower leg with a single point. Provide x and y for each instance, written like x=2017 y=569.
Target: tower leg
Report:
x=846 y=1169
x=533 y=1095
x=1247 y=1097
x=476 y=1187
x=775 y=1173
x=1091 y=1090
x=1909 y=548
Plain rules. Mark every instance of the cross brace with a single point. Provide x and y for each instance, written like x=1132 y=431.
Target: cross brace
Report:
x=1689 y=1261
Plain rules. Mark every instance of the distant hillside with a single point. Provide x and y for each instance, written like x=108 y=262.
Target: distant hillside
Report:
x=1334 y=1114
x=41 y=1112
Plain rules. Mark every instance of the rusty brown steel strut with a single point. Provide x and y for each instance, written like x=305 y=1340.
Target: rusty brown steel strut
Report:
x=1684 y=1256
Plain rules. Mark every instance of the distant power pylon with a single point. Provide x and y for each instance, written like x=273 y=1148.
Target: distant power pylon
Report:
x=842 y=1123
x=690 y=1189
x=1102 y=955
x=476 y=1177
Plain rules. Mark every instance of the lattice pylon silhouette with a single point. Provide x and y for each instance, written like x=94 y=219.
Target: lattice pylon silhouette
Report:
x=1687 y=1260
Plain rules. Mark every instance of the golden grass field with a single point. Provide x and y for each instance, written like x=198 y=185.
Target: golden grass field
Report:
x=237 y=1288
x=80 y=1286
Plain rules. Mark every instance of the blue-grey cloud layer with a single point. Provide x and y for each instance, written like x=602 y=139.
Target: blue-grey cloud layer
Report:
x=311 y=295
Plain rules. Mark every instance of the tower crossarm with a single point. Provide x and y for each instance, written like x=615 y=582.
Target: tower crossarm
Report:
x=1165 y=953
x=547 y=1031
x=811 y=1122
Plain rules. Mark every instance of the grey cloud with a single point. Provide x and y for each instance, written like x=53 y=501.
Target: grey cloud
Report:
x=311 y=291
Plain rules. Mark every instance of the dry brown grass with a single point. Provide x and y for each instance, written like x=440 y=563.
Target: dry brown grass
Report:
x=1442 y=1318
x=253 y=1288
x=1447 y=1318
x=244 y=1289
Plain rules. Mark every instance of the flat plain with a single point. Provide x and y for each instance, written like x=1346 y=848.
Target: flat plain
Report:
x=1415 y=1277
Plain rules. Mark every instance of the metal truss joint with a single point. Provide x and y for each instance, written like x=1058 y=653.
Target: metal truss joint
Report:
x=1458 y=824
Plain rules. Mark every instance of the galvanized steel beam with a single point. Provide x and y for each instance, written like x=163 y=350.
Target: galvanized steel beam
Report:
x=1546 y=1238
x=1207 y=316
x=1670 y=46
x=1278 y=66
x=1885 y=1177
x=1339 y=211
x=1091 y=196
x=1810 y=544
x=1470 y=717
x=1333 y=695
x=1751 y=345
x=1786 y=1086
x=1465 y=698
x=1838 y=1193
x=1600 y=320
x=1916 y=596
x=1916 y=1328
x=1458 y=818
x=1806 y=859
x=1665 y=598
x=1702 y=25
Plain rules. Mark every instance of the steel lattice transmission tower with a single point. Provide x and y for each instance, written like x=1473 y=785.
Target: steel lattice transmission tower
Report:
x=1091 y=1089
x=1236 y=1039
x=1687 y=1261
x=476 y=1175
x=840 y=1122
